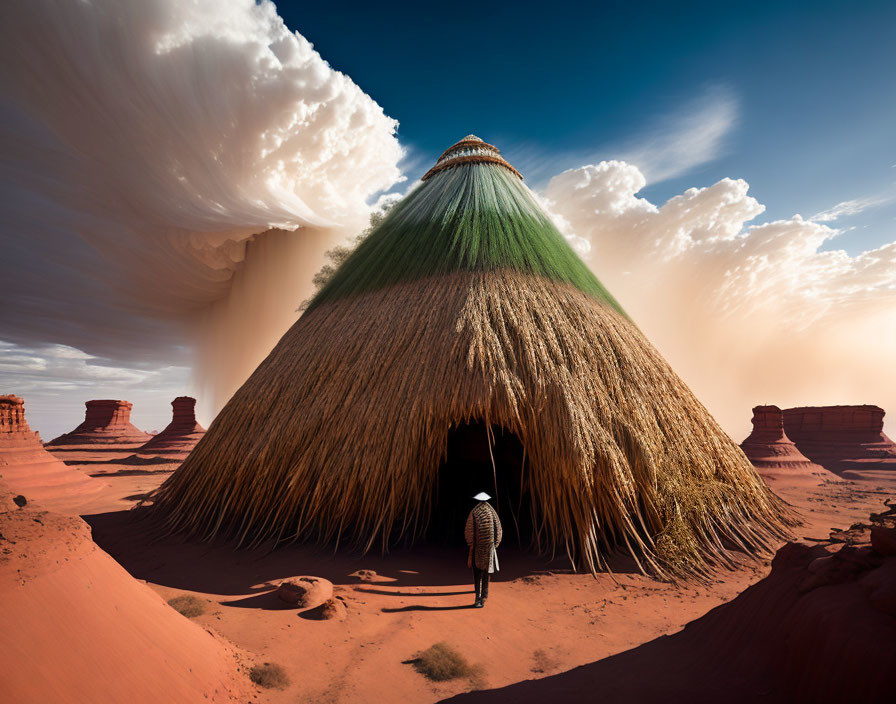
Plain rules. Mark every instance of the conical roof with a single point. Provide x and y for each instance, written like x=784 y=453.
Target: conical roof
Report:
x=467 y=304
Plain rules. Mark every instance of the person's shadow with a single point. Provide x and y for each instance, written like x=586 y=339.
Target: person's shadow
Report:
x=421 y=607
x=418 y=607
x=385 y=592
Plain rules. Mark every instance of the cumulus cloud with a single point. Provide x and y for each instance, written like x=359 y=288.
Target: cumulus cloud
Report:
x=150 y=149
x=746 y=313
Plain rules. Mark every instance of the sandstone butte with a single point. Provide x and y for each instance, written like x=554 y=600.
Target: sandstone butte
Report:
x=844 y=439
x=774 y=454
x=180 y=435
x=28 y=469
x=106 y=422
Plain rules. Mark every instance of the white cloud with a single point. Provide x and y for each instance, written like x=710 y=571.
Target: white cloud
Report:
x=745 y=313
x=667 y=145
x=27 y=369
x=848 y=208
x=151 y=145
x=56 y=380
x=685 y=139
x=146 y=143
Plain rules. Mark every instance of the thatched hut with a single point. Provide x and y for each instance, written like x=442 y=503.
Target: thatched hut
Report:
x=464 y=345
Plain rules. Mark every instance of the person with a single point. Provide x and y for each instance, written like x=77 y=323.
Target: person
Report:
x=483 y=533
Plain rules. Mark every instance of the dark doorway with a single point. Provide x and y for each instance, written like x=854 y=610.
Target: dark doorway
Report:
x=489 y=459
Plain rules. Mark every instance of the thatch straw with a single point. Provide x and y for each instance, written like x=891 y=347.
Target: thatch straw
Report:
x=339 y=434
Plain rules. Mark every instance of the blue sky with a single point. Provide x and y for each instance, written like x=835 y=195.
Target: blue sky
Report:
x=799 y=99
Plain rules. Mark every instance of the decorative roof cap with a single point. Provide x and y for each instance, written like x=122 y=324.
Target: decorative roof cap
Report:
x=470 y=150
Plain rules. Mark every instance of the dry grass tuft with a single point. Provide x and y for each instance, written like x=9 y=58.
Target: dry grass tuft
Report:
x=621 y=455
x=269 y=676
x=187 y=605
x=543 y=662
x=441 y=662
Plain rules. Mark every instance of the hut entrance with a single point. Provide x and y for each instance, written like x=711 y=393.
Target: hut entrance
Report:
x=489 y=459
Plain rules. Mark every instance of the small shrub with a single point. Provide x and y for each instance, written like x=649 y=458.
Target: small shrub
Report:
x=187 y=605
x=269 y=676
x=477 y=678
x=441 y=662
x=542 y=662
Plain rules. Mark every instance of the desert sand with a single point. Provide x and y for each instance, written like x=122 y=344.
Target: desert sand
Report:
x=105 y=625
x=78 y=628
x=819 y=628
x=541 y=619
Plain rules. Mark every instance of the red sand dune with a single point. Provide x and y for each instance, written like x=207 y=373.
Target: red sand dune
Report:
x=848 y=440
x=105 y=422
x=28 y=469
x=541 y=619
x=774 y=455
x=78 y=628
x=819 y=628
x=181 y=434
x=66 y=642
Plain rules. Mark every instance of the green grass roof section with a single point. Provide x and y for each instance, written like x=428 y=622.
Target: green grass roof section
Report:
x=470 y=217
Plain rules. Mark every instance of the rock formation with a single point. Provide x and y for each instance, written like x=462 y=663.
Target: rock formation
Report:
x=842 y=438
x=333 y=609
x=106 y=422
x=181 y=434
x=28 y=469
x=305 y=592
x=773 y=454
